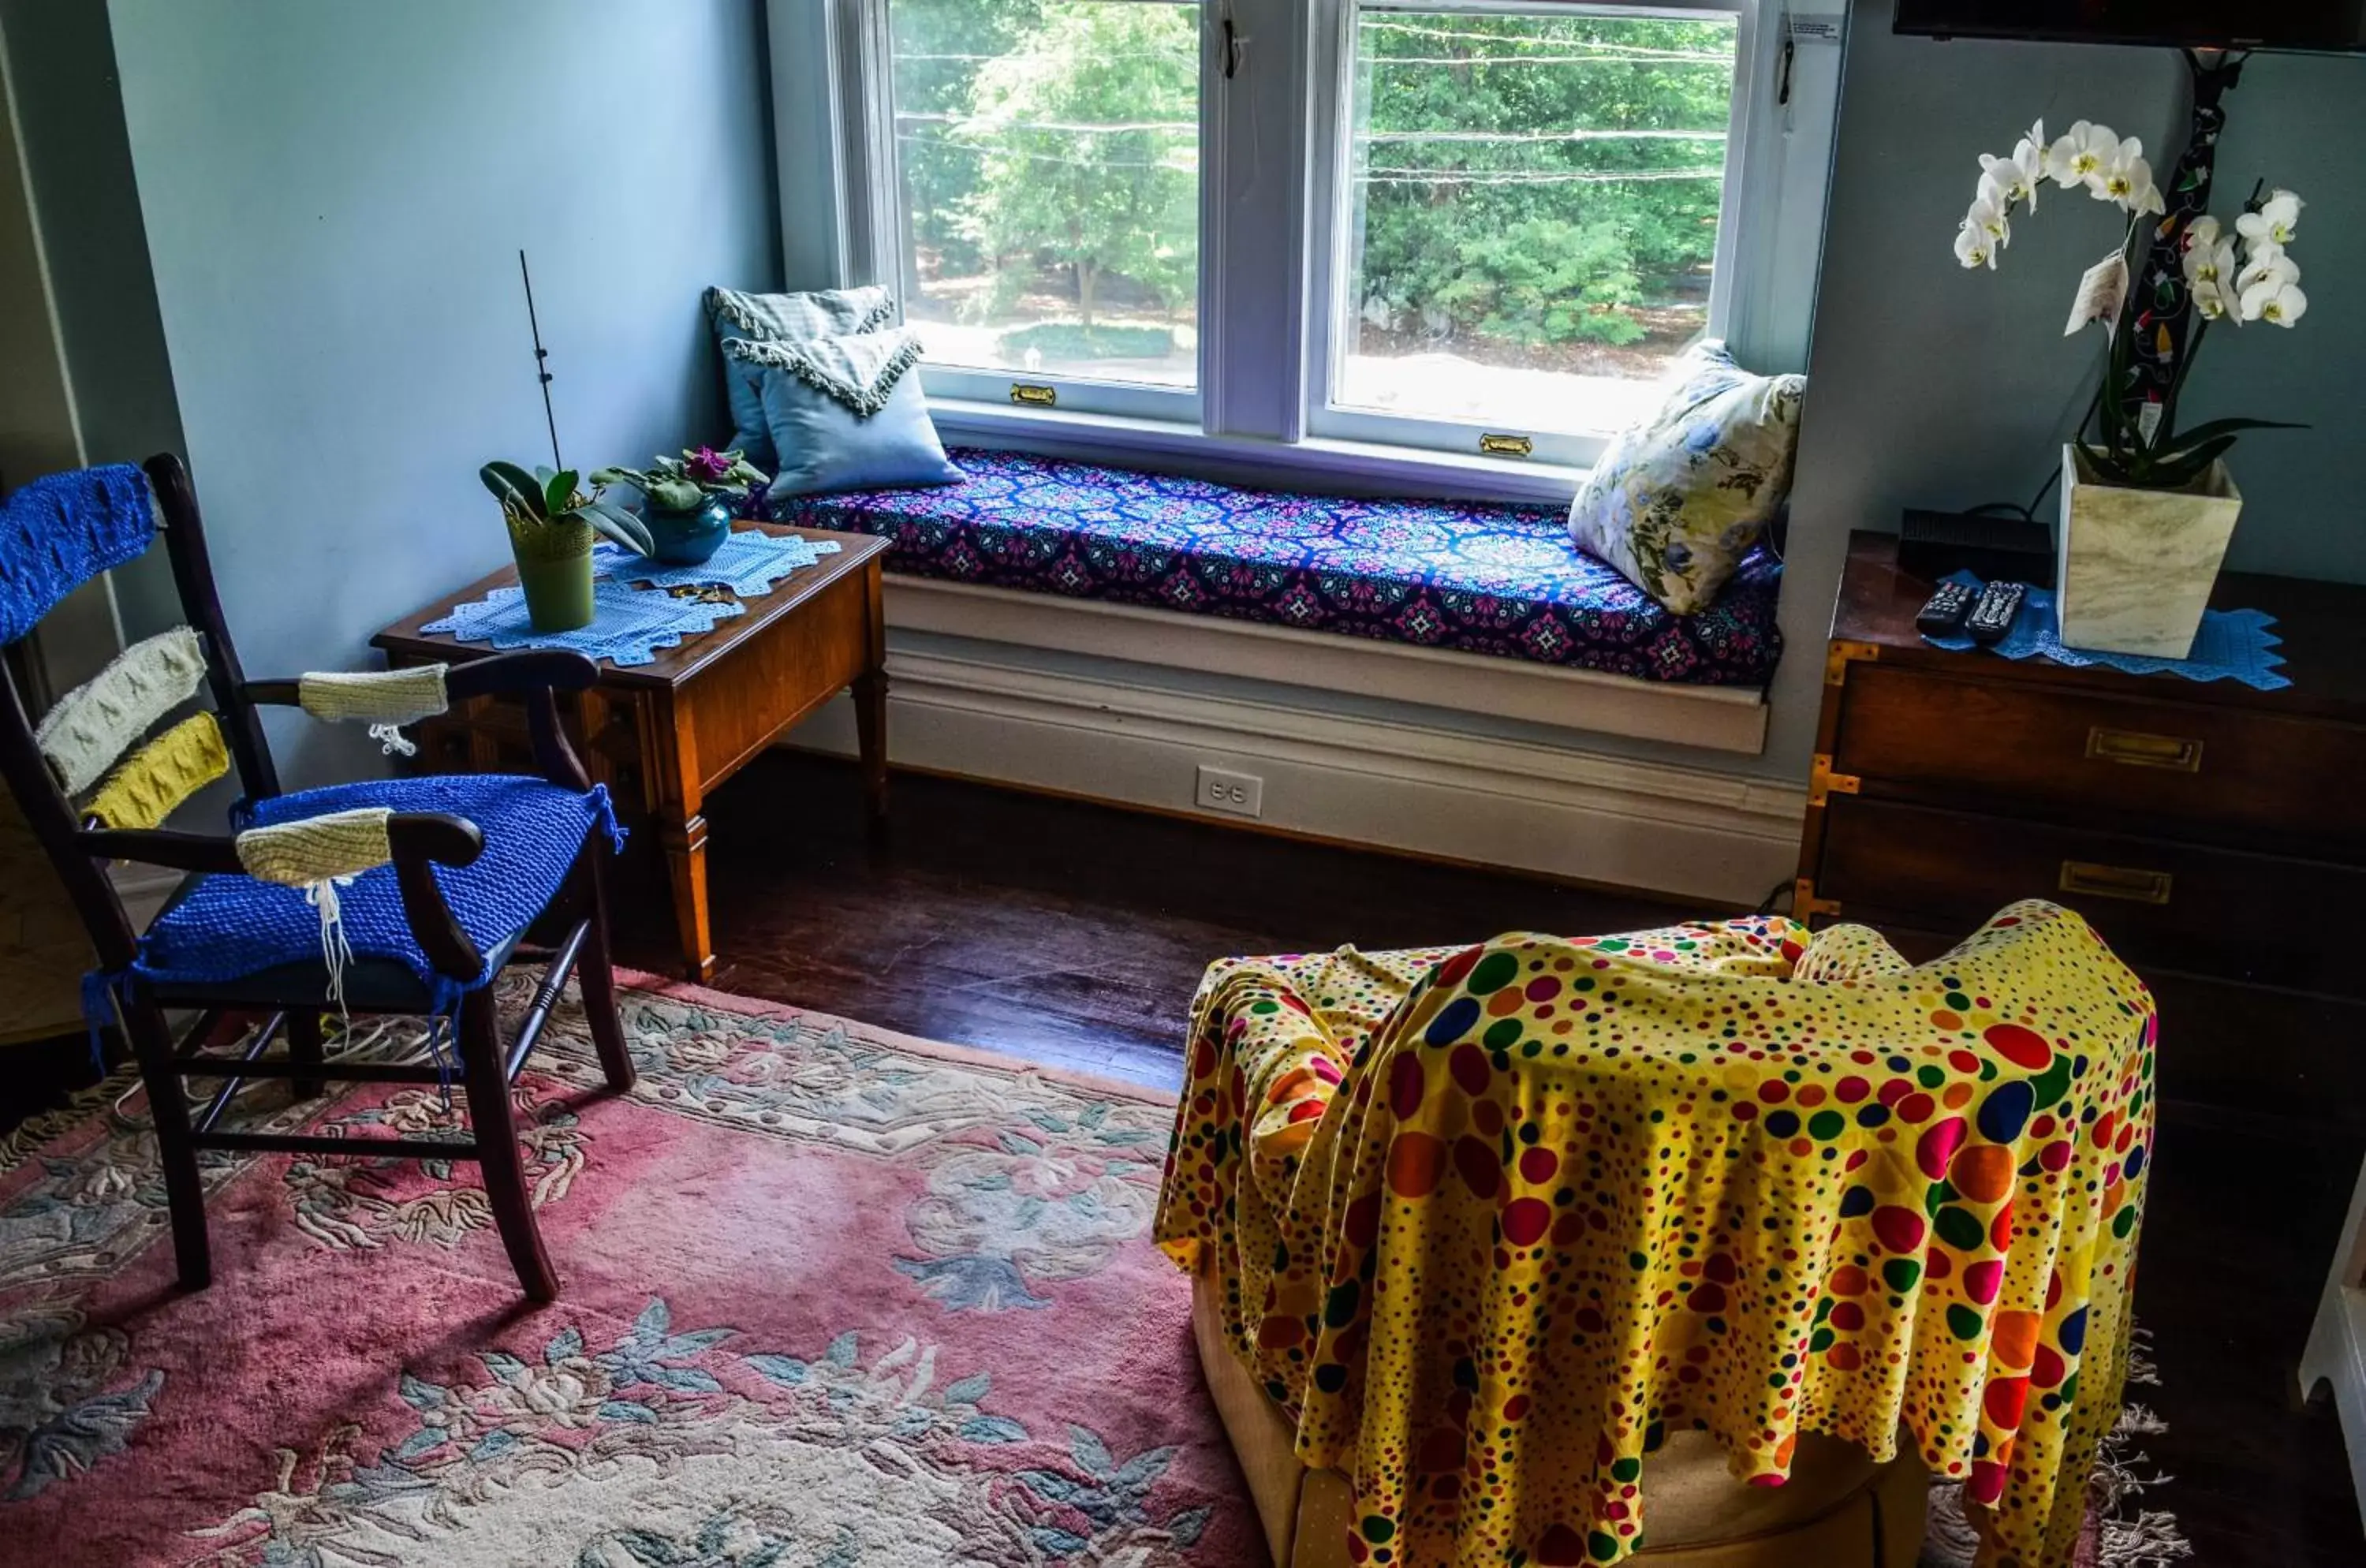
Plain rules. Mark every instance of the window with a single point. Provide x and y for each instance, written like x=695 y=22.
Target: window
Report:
x=1048 y=156
x=1527 y=211
x=1470 y=227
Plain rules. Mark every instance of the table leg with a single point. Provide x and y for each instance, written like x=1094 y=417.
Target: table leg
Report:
x=871 y=700
x=871 y=736
x=685 y=851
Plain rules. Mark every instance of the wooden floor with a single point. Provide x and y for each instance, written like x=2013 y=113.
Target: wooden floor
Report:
x=1074 y=935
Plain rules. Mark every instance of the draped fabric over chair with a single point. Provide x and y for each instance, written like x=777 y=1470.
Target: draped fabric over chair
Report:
x=1490 y=1226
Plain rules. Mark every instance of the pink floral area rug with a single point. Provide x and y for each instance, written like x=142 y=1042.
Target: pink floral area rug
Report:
x=829 y=1298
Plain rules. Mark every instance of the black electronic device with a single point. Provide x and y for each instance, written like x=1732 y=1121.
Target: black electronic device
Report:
x=1994 y=612
x=1932 y=544
x=2315 y=25
x=1943 y=616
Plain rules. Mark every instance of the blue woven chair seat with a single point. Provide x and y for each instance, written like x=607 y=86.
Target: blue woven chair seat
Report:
x=219 y=930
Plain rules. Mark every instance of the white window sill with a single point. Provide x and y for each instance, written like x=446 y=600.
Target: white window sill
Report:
x=1322 y=463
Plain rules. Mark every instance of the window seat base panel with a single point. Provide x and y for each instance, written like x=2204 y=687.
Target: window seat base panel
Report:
x=1472 y=577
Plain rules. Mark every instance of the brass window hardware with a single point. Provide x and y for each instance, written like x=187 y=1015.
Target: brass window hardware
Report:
x=2128 y=883
x=1823 y=783
x=1496 y=446
x=1035 y=394
x=2134 y=749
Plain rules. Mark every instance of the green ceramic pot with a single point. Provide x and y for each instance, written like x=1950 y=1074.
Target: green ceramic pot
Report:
x=689 y=538
x=557 y=592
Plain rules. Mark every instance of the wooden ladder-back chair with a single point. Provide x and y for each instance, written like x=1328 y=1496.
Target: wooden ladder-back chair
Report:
x=452 y=873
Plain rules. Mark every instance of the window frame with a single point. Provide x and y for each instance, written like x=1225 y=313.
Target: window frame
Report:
x=1329 y=258
x=890 y=221
x=1272 y=148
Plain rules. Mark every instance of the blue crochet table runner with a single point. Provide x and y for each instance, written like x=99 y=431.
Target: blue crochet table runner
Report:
x=628 y=625
x=2233 y=645
x=749 y=562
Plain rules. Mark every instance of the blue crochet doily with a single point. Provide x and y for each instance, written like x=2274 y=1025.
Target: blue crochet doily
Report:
x=628 y=625
x=748 y=563
x=2233 y=645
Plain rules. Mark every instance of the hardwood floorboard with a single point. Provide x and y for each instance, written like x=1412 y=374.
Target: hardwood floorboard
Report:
x=1075 y=935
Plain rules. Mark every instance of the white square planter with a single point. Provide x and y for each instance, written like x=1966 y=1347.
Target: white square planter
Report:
x=2134 y=568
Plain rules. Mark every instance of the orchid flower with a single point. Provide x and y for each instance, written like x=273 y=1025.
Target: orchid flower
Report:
x=2214 y=300
x=2212 y=265
x=2085 y=150
x=2274 y=299
x=2007 y=180
x=2274 y=221
x=2202 y=233
x=1973 y=247
x=2126 y=179
x=1988 y=217
x=2267 y=264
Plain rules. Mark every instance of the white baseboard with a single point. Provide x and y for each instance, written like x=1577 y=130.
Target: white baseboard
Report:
x=1718 y=719
x=1391 y=784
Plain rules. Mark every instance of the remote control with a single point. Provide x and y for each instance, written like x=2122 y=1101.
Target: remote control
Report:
x=1993 y=617
x=1943 y=616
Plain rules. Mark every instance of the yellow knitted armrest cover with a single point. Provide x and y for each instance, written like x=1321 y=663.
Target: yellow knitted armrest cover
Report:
x=380 y=696
x=158 y=777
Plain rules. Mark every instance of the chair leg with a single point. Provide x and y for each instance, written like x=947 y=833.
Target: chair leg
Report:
x=304 y=1047
x=595 y=972
x=168 y=1110
x=504 y=1167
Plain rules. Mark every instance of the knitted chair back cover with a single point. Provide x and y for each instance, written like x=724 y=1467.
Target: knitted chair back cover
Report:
x=230 y=927
x=60 y=531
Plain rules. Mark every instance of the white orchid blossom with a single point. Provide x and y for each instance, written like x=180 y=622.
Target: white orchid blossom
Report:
x=2273 y=300
x=2274 y=221
x=1989 y=217
x=2084 y=150
x=2007 y=180
x=1973 y=248
x=2266 y=264
x=2202 y=233
x=2126 y=178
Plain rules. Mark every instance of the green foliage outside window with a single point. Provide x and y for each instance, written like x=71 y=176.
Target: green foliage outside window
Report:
x=1500 y=190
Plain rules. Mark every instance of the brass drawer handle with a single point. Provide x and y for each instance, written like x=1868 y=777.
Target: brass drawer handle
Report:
x=2116 y=882
x=1035 y=394
x=1496 y=446
x=2133 y=748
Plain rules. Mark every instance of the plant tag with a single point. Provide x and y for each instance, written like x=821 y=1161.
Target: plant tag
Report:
x=2148 y=421
x=2101 y=291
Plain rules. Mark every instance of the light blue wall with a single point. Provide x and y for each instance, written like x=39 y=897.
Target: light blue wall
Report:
x=334 y=193
x=1929 y=385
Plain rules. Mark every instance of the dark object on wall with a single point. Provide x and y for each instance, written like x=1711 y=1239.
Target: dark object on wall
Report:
x=1932 y=544
x=2314 y=25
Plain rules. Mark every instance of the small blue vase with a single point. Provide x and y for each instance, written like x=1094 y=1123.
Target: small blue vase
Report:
x=689 y=538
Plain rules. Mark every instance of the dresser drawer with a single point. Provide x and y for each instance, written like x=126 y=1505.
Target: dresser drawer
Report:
x=2250 y=777
x=2267 y=920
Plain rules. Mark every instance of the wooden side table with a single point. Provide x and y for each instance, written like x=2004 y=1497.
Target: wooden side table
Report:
x=662 y=735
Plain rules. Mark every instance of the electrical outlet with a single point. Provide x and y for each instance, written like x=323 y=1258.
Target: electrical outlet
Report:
x=1242 y=794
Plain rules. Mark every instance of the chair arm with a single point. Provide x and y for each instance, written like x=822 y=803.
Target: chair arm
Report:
x=159 y=846
x=526 y=669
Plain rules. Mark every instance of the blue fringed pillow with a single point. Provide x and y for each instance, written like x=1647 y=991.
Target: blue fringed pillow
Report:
x=780 y=318
x=846 y=413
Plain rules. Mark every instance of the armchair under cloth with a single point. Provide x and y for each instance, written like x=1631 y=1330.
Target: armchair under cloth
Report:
x=389 y=896
x=1516 y=1252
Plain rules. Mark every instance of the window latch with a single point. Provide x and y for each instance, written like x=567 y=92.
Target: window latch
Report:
x=1232 y=51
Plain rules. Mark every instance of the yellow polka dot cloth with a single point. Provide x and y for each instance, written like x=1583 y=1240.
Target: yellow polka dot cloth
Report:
x=1489 y=1222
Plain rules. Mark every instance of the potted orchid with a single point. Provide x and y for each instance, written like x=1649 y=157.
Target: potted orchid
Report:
x=690 y=499
x=2147 y=505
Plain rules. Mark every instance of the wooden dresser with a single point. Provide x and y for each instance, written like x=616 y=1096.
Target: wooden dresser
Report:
x=2209 y=831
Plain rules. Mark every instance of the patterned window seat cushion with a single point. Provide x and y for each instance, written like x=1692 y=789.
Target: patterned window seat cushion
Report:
x=1473 y=578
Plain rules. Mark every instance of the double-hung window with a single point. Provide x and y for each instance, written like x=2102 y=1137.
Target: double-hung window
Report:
x=1354 y=227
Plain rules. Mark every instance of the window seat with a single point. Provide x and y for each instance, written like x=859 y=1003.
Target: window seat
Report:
x=1501 y=582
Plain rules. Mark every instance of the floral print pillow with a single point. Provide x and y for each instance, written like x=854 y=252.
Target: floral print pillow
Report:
x=1677 y=501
